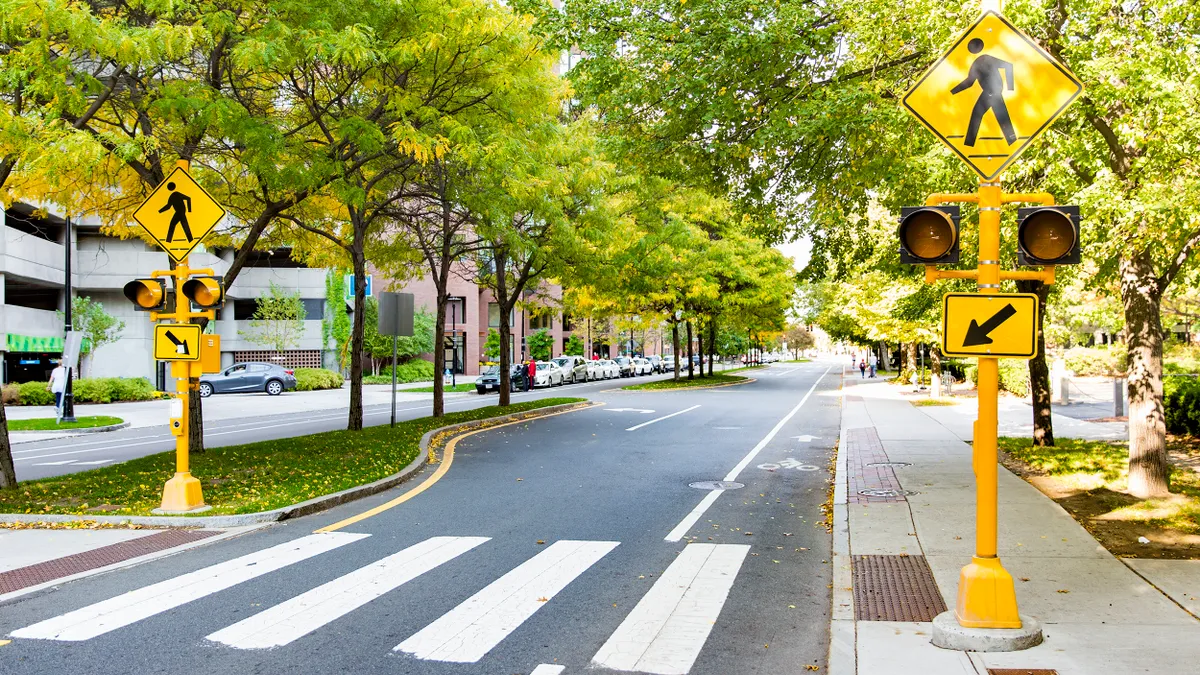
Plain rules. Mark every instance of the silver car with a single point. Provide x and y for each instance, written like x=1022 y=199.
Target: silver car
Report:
x=248 y=377
x=574 y=368
x=548 y=374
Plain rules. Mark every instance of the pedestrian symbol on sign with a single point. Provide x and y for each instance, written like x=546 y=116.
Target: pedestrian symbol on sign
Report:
x=182 y=204
x=987 y=71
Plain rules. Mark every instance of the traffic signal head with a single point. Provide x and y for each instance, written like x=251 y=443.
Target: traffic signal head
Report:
x=147 y=295
x=1048 y=235
x=204 y=292
x=929 y=235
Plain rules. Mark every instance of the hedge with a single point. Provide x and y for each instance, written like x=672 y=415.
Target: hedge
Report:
x=1014 y=376
x=86 y=390
x=1181 y=400
x=310 y=379
x=1096 y=361
x=416 y=370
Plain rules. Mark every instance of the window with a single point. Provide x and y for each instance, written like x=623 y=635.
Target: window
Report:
x=314 y=308
x=539 y=321
x=243 y=310
x=494 y=316
x=568 y=322
x=456 y=311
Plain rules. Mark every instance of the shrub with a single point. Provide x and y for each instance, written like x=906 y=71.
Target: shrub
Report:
x=1014 y=376
x=310 y=379
x=1096 y=361
x=35 y=393
x=416 y=370
x=92 y=390
x=12 y=394
x=131 y=389
x=1181 y=399
x=1182 y=359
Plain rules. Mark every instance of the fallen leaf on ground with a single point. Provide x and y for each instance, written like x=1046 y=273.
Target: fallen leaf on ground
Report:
x=1063 y=590
x=541 y=541
x=543 y=599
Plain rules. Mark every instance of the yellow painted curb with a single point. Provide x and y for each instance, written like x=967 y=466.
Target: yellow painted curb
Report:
x=445 y=462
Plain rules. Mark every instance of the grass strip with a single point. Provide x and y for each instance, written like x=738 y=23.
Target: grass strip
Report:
x=251 y=477
x=925 y=402
x=1097 y=471
x=458 y=388
x=684 y=383
x=50 y=424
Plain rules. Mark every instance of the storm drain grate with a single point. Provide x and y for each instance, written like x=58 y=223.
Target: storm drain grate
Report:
x=891 y=465
x=1021 y=671
x=895 y=588
x=32 y=575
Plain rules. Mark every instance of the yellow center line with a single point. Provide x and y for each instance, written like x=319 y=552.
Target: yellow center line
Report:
x=5 y=642
x=447 y=460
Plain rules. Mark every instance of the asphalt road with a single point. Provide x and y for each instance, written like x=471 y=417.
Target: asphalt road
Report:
x=567 y=544
x=61 y=456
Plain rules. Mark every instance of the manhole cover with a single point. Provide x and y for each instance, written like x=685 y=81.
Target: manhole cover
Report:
x=895 y=465
x=884 y=492
x=716 y=485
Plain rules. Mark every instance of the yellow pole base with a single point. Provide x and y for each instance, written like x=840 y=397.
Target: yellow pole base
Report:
x=182 y=494
x=986 y=596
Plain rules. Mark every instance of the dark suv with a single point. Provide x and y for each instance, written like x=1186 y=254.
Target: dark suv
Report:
x=489 y=380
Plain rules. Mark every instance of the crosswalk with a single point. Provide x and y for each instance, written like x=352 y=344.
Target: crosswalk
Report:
x=663 y=634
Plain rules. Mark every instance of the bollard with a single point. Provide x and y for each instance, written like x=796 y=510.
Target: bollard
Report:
x=1118 y=397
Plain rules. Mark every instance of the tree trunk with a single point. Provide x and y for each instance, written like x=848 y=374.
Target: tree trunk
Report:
x=675 y=345
x=1039 y=371
x=8 y=474
x=700 y=344
x=501 y=261
x=355 y=420
x=910 y=356
x=691 y=374
x=1148 y=467
x=885 y=356
x=439 y=350
x=712 y=342
x=935 y=361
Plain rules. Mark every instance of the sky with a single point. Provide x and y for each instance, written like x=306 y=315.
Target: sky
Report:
x=798 y=251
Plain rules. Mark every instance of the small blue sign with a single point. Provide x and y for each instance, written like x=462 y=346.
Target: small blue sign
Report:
x=350 y=286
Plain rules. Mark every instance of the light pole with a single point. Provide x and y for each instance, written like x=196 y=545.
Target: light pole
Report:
x=68 y=398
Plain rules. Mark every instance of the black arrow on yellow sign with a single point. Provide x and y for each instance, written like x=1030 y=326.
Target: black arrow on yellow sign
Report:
x=183 y=343
x=977 y=333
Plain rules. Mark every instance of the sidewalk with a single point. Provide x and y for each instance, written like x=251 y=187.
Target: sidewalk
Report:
x=897 y=557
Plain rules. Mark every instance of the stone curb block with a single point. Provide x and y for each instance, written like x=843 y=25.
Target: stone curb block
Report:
x=304 y=508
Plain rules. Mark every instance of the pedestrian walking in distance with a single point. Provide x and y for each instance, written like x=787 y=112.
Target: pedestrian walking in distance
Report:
x=530 y=374
x=874 y=360
x=58 y=385
x=862 y=368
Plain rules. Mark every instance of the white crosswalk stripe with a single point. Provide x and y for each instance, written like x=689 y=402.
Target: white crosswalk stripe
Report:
x=470 y=630
x=295 y=618
x=669 y=626
x=131 y=607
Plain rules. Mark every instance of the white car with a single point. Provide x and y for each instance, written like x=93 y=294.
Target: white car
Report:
x=595 y=370
x=642 y=367
x=610 y=369
x=548 y=374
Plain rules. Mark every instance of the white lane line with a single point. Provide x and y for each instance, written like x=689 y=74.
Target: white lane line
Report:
x=58 y=463
x=291 y=620
x=659 y=419
x=669 y=626
x=469 y=631
x=548 y=669
x=145 y=602
x=686 y=524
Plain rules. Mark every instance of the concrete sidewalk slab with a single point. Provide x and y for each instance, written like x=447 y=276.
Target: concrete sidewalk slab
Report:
x=20 y=548
x=1064 y=578
x=1179 y=579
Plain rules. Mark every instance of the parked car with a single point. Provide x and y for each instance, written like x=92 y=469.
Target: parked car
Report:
x=548 y=374
x=642 y=367
x=668 y=364
x=610 y=369
x=656 y=363
x=516 y=376
x=247 y=377
x=626 y=366
x=574 y=367
x=488 y=380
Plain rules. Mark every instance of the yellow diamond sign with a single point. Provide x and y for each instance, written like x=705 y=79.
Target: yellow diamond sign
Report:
x=991 y=94
x=178 y=214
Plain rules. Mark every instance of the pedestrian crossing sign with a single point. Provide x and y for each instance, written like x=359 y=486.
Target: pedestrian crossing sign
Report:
x=178 y=214
x=991 y=94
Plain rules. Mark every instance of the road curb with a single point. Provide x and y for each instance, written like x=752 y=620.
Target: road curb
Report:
x=68 y=433
x=843 y=639
x=304 y=508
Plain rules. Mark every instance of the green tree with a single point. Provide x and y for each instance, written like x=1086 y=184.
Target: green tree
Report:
x=491 y=346
x=97 y=326
x=278 y=320
x=574 y=346
x=540 y=342
x=335 y=325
